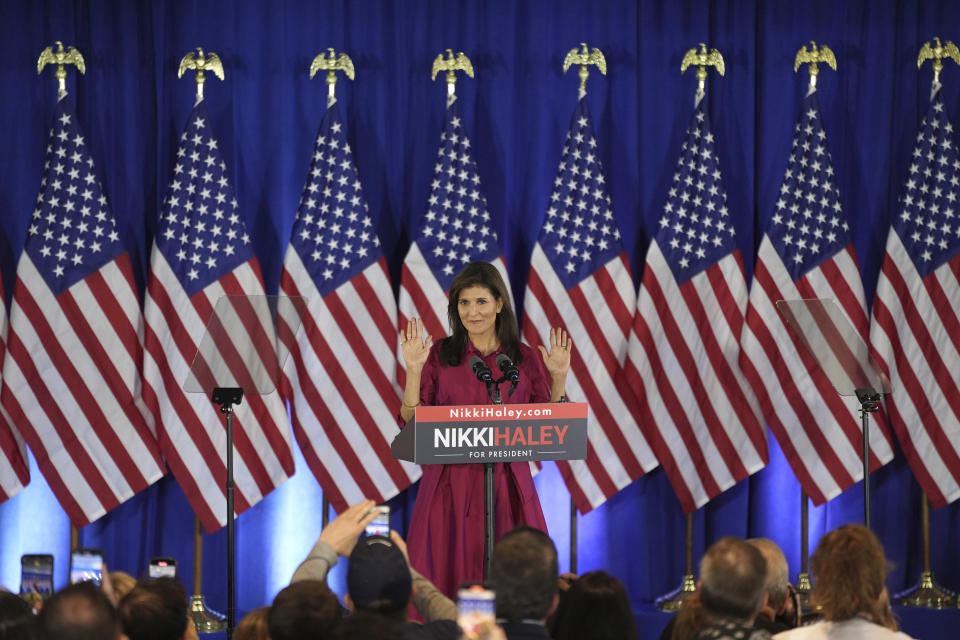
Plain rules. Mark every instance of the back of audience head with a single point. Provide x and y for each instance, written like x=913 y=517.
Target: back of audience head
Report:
x=17 y=621
x=732 y=580
x=524 y=575
x=79 y=612
x=778 y=573
x=378 y=578
x=155 y=609
x=306 y=610
x=253 y=626
x=122 y=583
x=596 y=606
x=849 y=570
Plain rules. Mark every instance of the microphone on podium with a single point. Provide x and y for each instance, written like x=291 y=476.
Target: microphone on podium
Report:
x=480 y=369
x=510 y=371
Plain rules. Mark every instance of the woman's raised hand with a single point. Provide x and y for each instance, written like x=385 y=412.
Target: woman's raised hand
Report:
x=415 y=345
x=557 y=361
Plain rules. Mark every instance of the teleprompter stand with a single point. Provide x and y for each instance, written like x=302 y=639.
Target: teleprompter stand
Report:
x=240 y=353
x=843 y=356
x=505 y=433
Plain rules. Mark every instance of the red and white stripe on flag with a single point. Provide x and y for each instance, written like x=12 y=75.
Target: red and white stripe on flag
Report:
x=71 y=386
x=697 y=409
x=341 y=375
x=14 y=471
x=189 y=426
x=915 y=338
x=818 y=430
x=596 y=313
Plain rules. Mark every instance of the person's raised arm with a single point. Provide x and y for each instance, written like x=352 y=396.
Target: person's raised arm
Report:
x=557 y=362
x=337 y=539
x=416 y=349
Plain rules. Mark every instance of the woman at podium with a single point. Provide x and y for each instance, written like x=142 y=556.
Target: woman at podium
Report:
x=446 y=531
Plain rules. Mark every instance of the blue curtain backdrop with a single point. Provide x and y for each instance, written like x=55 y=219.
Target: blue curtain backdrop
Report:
x=516 y=111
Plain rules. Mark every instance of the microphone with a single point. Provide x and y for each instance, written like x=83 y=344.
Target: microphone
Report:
x=480 y=369
x=508 y=368
x=510 y=371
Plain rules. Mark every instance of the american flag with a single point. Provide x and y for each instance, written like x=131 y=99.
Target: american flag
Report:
x=202 y=252
x=697 y=409
x=341 y=375
x=14 y=472
x=455 y=230
x=71 y=377
x=807 y=253
x=580 y=279
x=915 y=332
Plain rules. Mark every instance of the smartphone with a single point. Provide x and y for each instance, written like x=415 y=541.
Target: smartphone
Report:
x=381 y=522
x=476 y=610
x=86 y=565
x=163 y=568
x=36 y=577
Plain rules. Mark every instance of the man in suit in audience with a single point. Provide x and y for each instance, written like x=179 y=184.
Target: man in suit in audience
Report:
x=524 y=577
x=79 y=612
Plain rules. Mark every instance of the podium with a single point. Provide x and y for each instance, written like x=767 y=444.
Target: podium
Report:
x=486 y=434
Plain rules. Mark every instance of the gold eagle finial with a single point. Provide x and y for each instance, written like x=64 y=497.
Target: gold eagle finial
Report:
x=332 y=64
x=813 y=59
x=584 y=58
x=938 y=53
x=201 y=63
x=702 y=60
x=61 y=58
x=451 y=64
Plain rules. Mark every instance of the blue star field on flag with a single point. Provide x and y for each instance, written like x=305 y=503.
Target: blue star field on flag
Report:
x=333 y=233
x=579 y=234
x=808 y=225
x=200 y=231
x=928 y=223
x=456 y=228
x=695 y=229
x=72 y=232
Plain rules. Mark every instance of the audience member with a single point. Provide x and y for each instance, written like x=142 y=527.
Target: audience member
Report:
x=379 y=582
x=79 y=612
x=17 y=620
x=305 y=610
x=524 y=577
x=733 y=577
x=779 y=612
x=253 y=626
x=122 y=582
x=156 y=609
x=596 y=607
x=849 y=570
x=339 y=538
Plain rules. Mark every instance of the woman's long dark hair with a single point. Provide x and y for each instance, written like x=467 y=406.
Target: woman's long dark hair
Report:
x=482 y=274
x=596 y=607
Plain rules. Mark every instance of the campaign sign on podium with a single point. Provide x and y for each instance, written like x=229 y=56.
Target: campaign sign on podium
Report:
x=494 y=433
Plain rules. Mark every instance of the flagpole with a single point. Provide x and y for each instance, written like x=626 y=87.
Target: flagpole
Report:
x=803 y=579
x=927 y=594
x=673 y=600
x=204 y=620
x=573 y=537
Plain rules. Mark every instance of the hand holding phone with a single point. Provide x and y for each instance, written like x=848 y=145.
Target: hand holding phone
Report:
x=86 y=565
